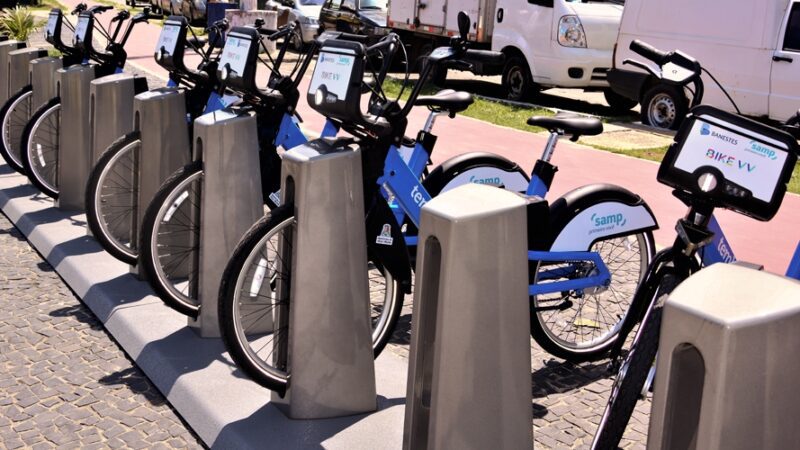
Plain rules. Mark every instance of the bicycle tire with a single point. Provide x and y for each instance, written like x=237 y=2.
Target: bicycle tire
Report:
x=632 y=376
x=112 y=197
x=13 y=121
x=40 y=147
x=243 y=274
x=171 y=193
x=591 y=306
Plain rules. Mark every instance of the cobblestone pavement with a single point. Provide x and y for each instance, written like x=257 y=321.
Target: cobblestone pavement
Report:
x=568 y=399
x=64 y=383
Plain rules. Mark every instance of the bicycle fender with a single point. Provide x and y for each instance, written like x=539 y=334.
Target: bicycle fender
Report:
x=476 y=167
x=386 y=244
x=594 y=212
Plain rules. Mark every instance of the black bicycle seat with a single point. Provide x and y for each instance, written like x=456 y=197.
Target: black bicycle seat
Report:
x=569 y=124
x=197 y=42
x=448 y=99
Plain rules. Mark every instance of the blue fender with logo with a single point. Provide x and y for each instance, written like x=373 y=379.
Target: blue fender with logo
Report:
x=595 y=212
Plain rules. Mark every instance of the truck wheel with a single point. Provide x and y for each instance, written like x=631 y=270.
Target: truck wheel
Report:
x=617 y=102
x=664 y=106
x=517 y=80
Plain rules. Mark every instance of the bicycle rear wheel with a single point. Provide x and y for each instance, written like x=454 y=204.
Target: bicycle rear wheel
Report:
x=15 y=115
x=254 y=300
x=40 y=147
x=112 y=198
x=582 y=325
x=170 y=238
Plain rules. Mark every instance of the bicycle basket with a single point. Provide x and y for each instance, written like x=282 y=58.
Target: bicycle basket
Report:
x=237 y=65
x=735 y=162
x=172 y=44
x=82 y=39
x=335 y=88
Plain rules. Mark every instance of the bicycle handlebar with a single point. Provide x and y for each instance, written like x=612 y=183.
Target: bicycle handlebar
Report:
x=99 y=9
x=79 y=9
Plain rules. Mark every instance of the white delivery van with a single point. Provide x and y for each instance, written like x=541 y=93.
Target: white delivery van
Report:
x=547 y=43
x=751 y=46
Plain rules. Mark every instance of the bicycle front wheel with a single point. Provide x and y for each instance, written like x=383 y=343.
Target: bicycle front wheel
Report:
x=15 y=115
x=254 y=300
x=40 y=147
x=112 y=198
x=629 y=385
x=170 y=239
x=581 y=325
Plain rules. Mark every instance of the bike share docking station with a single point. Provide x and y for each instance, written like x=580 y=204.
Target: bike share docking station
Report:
x=330 y=337
x=6 y=47
x=231 y=201
x=74 y=148
x=469 y=379
x=159 y=115
x=43 y=80
x=727 y=365
x=19 y=74
x=111 y=100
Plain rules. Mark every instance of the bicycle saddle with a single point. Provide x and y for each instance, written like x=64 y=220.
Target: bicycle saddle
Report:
x=569 y=124
x=447 y=99
x=197 y=42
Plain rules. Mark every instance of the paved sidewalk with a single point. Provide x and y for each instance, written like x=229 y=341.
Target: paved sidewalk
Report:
x=64 y=383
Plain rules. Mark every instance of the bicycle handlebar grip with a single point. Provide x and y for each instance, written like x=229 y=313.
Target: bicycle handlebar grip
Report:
x=648 y=51
x=78 y=9
x=486 y=56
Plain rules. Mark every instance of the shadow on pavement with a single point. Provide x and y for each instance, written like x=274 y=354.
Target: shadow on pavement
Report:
x=80 y=313
x=561 y=376
x=137 y=382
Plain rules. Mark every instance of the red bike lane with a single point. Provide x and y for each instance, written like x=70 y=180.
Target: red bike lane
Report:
x=769 y=243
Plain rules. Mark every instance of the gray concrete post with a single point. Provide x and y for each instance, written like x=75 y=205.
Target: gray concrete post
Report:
x=43 y=80
x=230 y=201
x=5 y=48
x=19 y=73
x=74 y=147
x=111 y=109
x=469 y=379
x=330 y=337
x=160 y=117
x=727 y=363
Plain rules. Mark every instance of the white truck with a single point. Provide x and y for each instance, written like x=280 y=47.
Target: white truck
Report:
x=751 y=46
x=547 y=43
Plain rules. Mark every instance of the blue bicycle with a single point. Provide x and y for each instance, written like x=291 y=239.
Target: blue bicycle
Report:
x=569 y=266
x=166 y=249
x=39 y=141
x=712 y=164
x=112 y=191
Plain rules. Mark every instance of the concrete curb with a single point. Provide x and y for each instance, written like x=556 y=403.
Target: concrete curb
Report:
x=221 y=405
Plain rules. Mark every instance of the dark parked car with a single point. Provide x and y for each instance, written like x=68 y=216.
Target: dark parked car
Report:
x=354 y=16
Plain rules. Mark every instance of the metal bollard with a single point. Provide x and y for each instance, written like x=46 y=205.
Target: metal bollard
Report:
x=330 y=336
x=727 y=365
x=160 y=117
x=231 y=201
x=469 y=379
x=5 y=48
x=75 y=147
x=43 y=76
x=111 y=109
x=18 y=74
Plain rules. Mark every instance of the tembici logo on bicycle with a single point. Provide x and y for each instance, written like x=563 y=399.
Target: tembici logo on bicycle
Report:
x=417 y=197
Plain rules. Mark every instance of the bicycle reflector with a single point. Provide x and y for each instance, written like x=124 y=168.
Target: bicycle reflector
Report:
x=731 y=161
x=335 y=88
